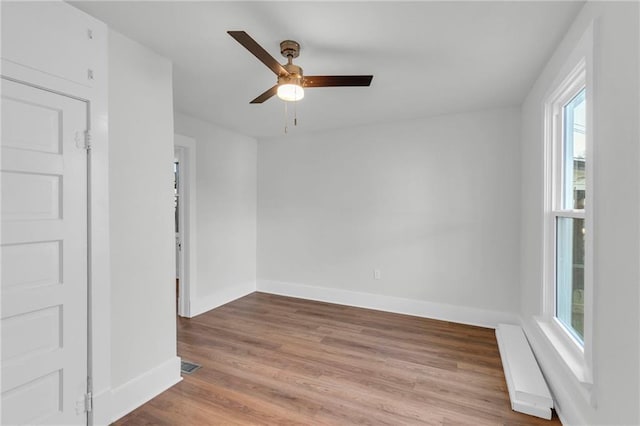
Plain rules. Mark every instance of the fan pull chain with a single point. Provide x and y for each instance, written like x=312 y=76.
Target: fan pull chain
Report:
x=286 y=115
x=286 y=119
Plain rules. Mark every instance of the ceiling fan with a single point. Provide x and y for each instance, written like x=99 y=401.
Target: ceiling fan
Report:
x=291 y=81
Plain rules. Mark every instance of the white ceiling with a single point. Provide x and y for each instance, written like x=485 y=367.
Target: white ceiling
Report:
x=427 y=58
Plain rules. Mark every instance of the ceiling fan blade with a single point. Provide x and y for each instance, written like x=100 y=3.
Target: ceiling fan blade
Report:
x=266 y=95
x=252 y=46
x=336 y=80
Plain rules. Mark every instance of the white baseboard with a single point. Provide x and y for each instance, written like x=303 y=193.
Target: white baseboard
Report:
x=419 y=308
x=134 y=393
x=528 y=391
x=101 y=408
x=203 y=304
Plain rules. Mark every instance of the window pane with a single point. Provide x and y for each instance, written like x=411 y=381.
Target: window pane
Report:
x=574 y=147
x=570 y=274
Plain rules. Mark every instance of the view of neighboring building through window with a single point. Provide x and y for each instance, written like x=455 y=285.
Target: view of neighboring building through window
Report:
x=569 y=210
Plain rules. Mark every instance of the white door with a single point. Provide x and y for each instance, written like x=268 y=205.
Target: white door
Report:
x=44 y=257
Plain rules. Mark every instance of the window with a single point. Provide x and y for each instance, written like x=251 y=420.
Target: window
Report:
x=567 y=199
x=567 y=308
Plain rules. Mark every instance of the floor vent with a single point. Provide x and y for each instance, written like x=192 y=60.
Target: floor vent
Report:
x=187 y=367
x=528 y=390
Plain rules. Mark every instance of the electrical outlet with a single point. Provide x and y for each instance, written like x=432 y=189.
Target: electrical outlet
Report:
x=376 y=274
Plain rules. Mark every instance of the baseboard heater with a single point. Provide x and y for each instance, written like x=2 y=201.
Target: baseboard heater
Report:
x=528 y=390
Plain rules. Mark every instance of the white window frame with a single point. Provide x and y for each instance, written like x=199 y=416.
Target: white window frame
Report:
x=575 y=75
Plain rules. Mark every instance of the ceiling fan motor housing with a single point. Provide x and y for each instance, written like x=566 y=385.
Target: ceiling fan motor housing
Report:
x=290 y=49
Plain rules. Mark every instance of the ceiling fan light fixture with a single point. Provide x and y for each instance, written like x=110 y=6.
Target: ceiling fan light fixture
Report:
x=290 y=78
x=290 y=92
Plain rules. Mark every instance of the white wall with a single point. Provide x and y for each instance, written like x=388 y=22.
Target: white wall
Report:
x=616 y=219
x=226 y=213
x=143 y=330
x=432 y=203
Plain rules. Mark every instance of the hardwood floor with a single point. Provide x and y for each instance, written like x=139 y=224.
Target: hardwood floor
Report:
x=276 y=360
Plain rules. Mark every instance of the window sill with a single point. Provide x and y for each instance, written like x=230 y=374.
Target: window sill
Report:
x=567 y=350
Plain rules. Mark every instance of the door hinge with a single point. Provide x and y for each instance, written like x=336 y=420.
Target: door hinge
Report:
x=84 y=404
x=87 y=140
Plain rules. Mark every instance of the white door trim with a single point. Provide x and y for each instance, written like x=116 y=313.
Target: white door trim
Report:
x=96 y=92
x=185 y=148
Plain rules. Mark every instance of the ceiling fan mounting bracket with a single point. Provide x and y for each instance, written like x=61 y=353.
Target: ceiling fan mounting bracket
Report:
x=290 y=49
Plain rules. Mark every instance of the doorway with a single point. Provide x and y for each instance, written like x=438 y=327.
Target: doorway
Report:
x=184 y=211
x=177 y=212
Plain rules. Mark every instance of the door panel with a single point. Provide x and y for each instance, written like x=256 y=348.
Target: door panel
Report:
x=46 y=254
x=29 y=196
x=40 y=135
x=44 y=257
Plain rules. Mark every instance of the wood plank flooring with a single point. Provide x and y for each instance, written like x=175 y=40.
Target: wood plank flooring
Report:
x=270 y=359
